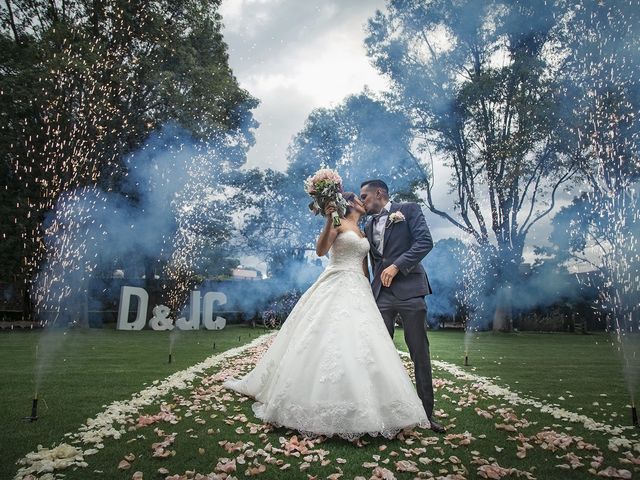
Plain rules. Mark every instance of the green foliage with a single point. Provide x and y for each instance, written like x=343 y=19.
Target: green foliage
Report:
x=361 y=138
x=83 y=83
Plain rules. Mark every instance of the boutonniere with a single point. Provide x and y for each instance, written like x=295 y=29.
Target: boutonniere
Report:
x=395 y=217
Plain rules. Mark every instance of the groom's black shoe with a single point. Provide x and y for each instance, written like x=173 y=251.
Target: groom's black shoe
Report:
x=436 y=427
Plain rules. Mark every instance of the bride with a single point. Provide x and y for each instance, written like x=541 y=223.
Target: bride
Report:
x=332 y=368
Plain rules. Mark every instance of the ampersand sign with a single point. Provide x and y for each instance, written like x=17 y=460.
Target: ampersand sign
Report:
x=160 y=319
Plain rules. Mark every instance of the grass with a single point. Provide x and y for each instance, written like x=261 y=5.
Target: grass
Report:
x=83 y=370
x=579 y=368
x=92 y=368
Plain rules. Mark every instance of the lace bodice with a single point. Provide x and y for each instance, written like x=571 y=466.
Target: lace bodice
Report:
x=347 y=251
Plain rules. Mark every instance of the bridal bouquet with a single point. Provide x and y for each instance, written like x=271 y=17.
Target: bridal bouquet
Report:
x=325 y=187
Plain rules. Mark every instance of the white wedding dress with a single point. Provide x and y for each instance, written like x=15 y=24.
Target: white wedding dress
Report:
x=332 y=368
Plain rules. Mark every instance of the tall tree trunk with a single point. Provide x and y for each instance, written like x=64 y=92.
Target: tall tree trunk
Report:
x=12 y=21
x=510 y=259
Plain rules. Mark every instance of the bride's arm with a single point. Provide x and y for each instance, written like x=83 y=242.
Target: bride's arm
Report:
x=365 y=267
x=328 y=234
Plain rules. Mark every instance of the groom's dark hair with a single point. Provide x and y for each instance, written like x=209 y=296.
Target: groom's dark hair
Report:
x=376 y=184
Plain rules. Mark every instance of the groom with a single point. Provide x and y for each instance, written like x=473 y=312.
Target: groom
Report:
x=400 y=239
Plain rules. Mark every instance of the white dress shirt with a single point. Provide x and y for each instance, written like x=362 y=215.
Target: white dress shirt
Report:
x=379 y=227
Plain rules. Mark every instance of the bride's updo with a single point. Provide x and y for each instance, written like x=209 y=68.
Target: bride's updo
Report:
x=349 y=197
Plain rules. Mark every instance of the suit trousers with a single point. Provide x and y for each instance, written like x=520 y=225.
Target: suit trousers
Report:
x=413 y=312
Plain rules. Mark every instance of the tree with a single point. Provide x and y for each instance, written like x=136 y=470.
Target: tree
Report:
x=84 y=83
x=480 y=89
x=362 y=139
x=259 y=201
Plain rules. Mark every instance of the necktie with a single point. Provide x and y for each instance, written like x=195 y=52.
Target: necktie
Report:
x=378 y=215
x=377 y=234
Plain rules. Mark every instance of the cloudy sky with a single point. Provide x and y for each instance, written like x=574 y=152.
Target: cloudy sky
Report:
x=299 y=55
x=296 y=56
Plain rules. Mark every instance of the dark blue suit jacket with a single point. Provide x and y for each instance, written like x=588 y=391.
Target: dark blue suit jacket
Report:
x=405 y=245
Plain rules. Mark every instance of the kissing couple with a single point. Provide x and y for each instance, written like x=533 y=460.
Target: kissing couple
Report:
x=333 y=369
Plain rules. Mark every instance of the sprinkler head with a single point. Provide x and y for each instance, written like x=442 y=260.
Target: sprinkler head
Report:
x=634 y=416
x=170 y=357
x=34 y=411
x=466 y=360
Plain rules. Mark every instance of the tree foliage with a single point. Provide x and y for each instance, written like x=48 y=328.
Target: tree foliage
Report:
x=82 y=83
x=480 y=89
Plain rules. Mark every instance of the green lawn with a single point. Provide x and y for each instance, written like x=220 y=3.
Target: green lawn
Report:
x=583 y=369
x=89 y=369
x=84 y=370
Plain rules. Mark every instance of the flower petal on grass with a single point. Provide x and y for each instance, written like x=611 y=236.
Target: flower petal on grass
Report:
x=406 y=466
x=611 y=472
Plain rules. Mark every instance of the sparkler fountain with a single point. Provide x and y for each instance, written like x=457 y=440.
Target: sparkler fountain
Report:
x=605 y=105
x=472 y=297
x=614 y=220
x=172 y=340
x=34 y=401
x=618 y=233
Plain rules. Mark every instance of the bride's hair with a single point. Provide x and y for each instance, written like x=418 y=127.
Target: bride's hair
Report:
x=349 y=197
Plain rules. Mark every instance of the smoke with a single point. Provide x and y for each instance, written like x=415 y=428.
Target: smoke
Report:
x=362 y=138
x=171 y=209
x=178 y=207
x=462 y=278
x=608 y=227
x=365 y=138
x=466 y=285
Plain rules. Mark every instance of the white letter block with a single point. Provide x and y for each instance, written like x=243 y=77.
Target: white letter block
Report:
x=207 y=317
x=123 y=313
x=194 y=319
x=161 y=319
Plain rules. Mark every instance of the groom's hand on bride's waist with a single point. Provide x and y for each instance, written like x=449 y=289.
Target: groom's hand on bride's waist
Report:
x=388 y=274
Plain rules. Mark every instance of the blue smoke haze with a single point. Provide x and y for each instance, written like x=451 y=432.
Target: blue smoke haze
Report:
x=91 y=229
x=172 y=177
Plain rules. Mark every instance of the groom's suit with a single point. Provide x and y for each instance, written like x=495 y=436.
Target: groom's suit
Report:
x=405 y=244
